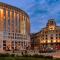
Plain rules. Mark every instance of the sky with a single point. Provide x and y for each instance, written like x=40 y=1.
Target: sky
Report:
x=39 y=11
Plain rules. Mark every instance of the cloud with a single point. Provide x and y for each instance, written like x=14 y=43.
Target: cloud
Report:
x=39 y=11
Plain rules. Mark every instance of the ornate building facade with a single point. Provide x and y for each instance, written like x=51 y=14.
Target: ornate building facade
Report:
x=14 y=28
x=48 y=36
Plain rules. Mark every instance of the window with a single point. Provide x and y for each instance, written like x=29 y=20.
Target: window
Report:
x=51 y=22
x=56 y=34
x=46 y=35
x=43 y=38
x=5 y=20
x=56 y=37
x=16 y=20
x=4 y=42
x=4 y=48
x=51 y=34
x=12 y=21
x=9 y=21
x=43 y=35
x=59 y=34
x=4 y=45
x=51 y=37
x=46 y=38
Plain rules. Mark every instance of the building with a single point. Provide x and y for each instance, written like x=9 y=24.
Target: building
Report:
x=48 y=37
x=34 y=41
x=14 y=28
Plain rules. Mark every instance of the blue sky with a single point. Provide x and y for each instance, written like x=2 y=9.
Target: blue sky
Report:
x=39 y=11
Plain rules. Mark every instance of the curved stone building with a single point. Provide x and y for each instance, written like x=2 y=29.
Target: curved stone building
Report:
x=14 y=28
